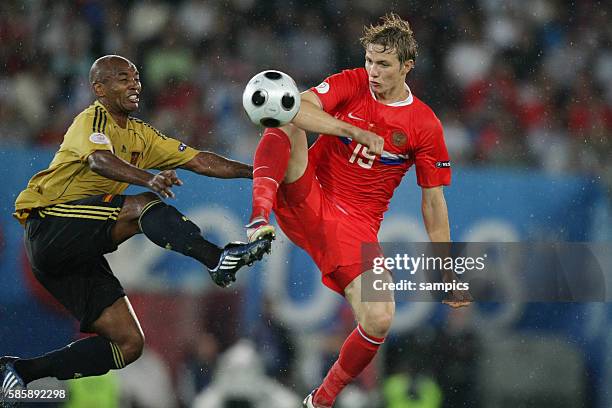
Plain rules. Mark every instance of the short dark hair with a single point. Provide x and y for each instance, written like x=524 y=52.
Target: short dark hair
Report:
x=392 y=33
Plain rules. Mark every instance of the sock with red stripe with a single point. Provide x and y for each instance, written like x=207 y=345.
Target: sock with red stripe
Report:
x=269 y=168
x=356 y=353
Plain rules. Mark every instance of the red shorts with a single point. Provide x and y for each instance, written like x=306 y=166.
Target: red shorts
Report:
x=326 y=231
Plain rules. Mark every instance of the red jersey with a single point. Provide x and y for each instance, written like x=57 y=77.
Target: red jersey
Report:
x=358 y=182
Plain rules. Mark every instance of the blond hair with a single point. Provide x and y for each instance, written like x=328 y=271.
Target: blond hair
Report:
x=392 y=33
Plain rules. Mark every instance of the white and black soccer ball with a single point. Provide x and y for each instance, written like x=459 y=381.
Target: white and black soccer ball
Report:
x=271 y=99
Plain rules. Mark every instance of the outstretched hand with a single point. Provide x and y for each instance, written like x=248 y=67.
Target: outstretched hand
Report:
x=163 y=181
x=458 y=298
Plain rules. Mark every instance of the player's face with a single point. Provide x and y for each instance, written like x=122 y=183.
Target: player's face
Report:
x=385 y=73
x=122 y=88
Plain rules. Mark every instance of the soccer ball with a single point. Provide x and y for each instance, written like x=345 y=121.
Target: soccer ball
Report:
x=271 y=99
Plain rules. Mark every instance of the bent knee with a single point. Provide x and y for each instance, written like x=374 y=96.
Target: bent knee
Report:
x=142 y=199
x=377 y=323
x=134 y=204
x=131 y=346
x=293 y=131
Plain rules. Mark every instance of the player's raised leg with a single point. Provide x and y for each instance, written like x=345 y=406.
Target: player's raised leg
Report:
x=281 y=157
x=374 y=321
x=164 y=225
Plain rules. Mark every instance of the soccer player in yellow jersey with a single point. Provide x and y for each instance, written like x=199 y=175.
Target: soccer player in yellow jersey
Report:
x=74 y=213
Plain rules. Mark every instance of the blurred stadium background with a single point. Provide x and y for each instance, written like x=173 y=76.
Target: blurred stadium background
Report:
x=524 y=91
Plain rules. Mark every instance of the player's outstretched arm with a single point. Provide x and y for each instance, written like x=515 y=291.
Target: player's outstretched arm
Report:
x=435 y=217
x=212 y=165
x=435 y=214
x=312 y=118
x=106 y=164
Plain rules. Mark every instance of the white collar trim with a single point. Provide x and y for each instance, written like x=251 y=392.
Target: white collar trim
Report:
x=405 y=102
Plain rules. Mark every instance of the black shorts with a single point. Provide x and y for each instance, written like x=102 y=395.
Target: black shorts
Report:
x=66 y=243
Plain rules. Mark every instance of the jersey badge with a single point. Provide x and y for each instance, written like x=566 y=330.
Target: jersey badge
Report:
x=134 y=158
x=182 y=147
x=322 y=88
x=99 y=138
x=398 y=138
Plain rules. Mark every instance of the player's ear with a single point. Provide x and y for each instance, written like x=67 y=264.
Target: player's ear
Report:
x=408 y=65
x=98 y=89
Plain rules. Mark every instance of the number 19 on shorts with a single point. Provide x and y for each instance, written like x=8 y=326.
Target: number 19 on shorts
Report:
x=365 y=160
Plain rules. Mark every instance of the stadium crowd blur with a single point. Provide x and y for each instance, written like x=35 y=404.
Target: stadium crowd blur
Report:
x=526 y=84
x=523 y=83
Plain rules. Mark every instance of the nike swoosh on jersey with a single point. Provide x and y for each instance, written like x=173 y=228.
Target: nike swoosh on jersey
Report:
x=350 y=115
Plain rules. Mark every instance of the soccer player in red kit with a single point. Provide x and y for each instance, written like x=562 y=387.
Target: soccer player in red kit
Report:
x=331 y=198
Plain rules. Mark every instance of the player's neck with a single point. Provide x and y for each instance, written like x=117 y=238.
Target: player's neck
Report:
x=396 y=94
x=119 y=117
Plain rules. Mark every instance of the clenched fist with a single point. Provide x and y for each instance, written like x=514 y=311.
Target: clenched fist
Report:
x=162 y=183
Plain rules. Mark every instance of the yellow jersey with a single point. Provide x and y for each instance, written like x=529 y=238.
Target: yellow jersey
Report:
x=69 y=177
